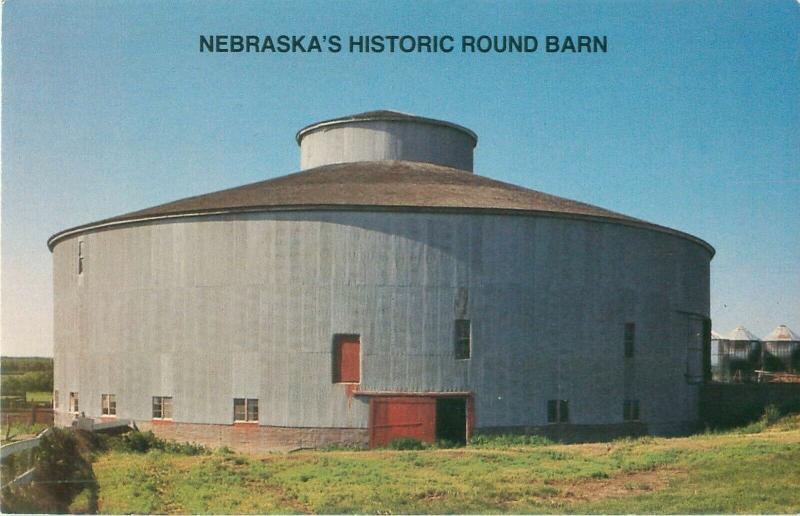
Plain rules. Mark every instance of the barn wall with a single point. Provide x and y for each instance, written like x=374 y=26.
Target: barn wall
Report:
x=214 y=308
x=387 y=140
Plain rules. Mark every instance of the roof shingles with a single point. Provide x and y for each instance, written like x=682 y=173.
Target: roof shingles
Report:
x=377 y=185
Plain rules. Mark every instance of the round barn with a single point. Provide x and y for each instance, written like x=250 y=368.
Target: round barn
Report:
x=383 y=291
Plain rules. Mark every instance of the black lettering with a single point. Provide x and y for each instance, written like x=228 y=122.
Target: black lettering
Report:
x=424 y=44
x=237 y=43
x=314 y=45
x=407 y=44
x=357 y=43
x=568 y=44
x=267 y=44
x=600 y=43
x=222 y=44
x=284 y=43
x=378 y=45
x=484 y=43
x=467 y=42
x=392 y=40
x=251 y=42
x=551 y=43
x=443 y=44
x=297 y=44
x=334 y=43
x=206 y=44
x=531 y=43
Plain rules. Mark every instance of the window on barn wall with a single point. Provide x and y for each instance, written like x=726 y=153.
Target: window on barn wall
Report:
x=245 y=409
x=108 y=404
x=557 y=411
x=55 y=399
x=162 y=407
x=80 y=257
x=706 y=349
x=347 y=359
x=463 y=339
x=698 y=345
x=630 y=410
x=73 y=402
x=630 y=339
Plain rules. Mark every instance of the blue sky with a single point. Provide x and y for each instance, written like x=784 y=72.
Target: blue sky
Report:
x=691 y=120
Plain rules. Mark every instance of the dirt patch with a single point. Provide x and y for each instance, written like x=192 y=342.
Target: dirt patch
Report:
x=621 y=485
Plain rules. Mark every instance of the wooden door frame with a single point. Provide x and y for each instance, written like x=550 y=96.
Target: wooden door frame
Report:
x=468 y=396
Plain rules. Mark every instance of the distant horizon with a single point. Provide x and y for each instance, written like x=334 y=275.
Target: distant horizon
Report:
x=689 y=120
x=24 y=356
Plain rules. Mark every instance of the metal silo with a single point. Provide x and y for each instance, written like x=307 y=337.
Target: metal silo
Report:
x=718 y=343
x=740 y=355
x=782 y=350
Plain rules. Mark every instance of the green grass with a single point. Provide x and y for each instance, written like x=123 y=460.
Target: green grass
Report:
x=39 y=397
x=157 y=482
x=730 y=472
x=21 y=430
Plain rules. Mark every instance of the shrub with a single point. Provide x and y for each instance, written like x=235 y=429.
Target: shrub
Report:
x=62 y=472
x=771 y=415
x=406 y=443
x=143 y=442
x=61 y=469
x=505 y=441
x=139 y=442
x=185 y=448
x=447 y=443
x=343 y=447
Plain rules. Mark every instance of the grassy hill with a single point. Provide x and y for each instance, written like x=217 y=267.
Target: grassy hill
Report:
x=751 y=470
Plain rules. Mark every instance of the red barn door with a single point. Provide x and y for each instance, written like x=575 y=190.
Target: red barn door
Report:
x=401 y=416
x=347 y=359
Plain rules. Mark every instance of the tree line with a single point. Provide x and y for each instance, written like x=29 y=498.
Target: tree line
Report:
x=16 y=365
x=26 y=374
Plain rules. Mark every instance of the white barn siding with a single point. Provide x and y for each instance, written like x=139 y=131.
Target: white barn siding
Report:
x=207 y=309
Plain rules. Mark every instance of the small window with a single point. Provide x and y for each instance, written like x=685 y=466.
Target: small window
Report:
x=630 y=338
x=108 y=404
x=80 y=257
x=695 y=348
x=463 y=340
x=245 y=409
x=706 y=349
x=347 y=359
x=73 y=402
x=557 y=411
x=630 y=410
x=162 y=407
x=55 y=399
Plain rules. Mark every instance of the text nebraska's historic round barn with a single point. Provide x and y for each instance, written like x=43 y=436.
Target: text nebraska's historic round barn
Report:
x=383 y=291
